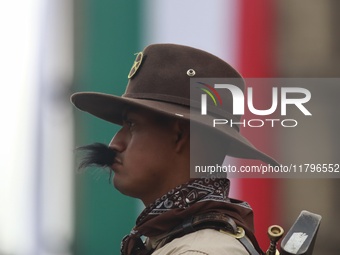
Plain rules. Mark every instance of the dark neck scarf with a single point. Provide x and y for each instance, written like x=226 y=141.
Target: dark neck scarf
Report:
x=198 y=196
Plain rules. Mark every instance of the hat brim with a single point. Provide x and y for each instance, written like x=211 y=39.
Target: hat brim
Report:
x=110 y=108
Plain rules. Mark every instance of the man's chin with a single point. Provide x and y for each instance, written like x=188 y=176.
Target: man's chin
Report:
x=121 y=186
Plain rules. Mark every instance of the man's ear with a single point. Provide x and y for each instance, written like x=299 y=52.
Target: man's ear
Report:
x=182 y=131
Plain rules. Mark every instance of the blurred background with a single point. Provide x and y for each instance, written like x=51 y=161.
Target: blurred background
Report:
x=50 y=49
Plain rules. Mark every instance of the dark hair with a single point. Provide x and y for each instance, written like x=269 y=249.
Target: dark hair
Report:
x=97 y=154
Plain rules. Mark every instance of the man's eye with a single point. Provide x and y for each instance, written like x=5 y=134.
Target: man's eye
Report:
x=130 y=124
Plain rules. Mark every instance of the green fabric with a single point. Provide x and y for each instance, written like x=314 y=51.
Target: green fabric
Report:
x=106 y=36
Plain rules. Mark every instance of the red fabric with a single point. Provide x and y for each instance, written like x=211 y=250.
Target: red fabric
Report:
x=257 y=59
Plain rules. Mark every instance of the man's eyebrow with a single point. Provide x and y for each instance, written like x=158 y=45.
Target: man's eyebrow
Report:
x=126 y=113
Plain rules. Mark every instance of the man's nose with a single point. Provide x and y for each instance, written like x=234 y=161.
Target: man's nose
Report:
x=118 y=142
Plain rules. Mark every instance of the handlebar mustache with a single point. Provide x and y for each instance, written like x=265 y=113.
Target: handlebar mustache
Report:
x=98 y=155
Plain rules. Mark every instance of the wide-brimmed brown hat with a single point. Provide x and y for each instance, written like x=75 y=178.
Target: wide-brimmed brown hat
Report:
x=159 y=80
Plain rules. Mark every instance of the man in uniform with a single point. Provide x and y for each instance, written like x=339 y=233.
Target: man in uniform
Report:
x=159 y=141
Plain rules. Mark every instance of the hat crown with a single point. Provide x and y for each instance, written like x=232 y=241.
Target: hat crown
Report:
x=165 y=70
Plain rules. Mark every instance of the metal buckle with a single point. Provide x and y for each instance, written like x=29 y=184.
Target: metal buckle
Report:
x=239 y=234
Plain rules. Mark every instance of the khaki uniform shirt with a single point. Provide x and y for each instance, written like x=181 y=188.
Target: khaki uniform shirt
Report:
x=202 y=242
